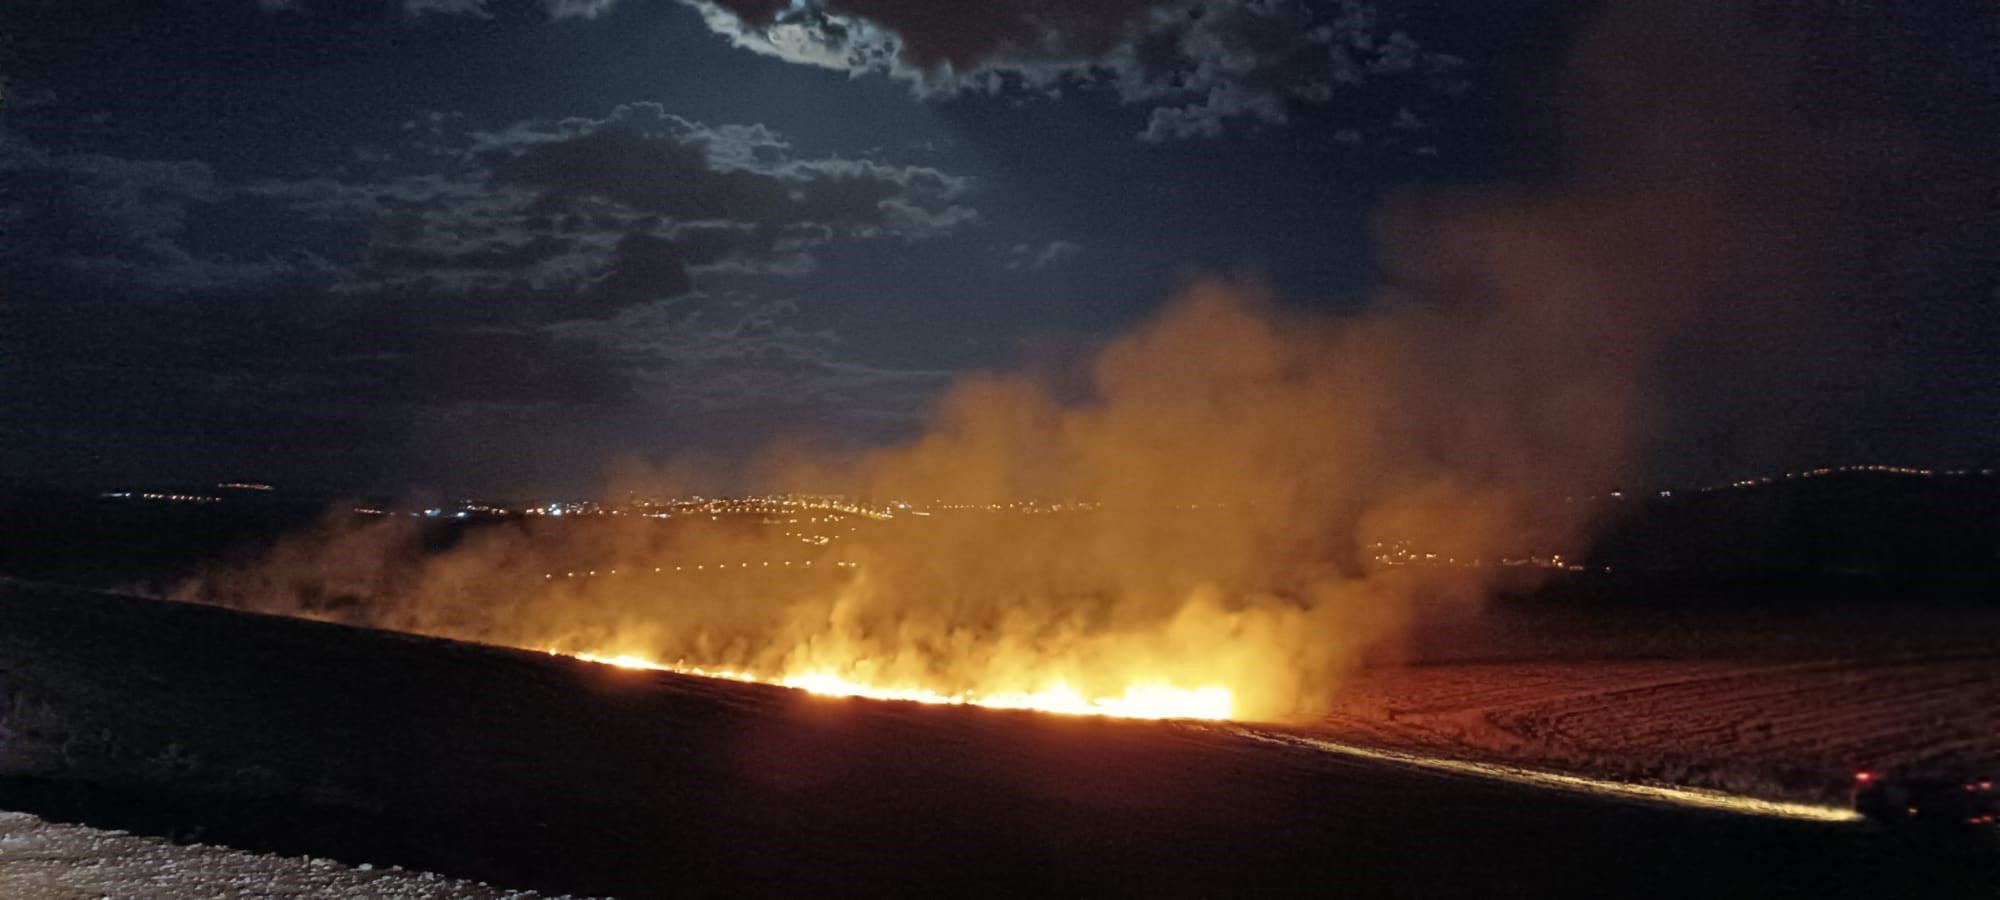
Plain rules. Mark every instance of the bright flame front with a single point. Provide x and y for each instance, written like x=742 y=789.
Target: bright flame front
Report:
x=1140 y=701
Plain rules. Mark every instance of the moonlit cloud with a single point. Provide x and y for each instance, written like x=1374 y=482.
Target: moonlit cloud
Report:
x=566 y=228
x=1031 y=258
x=579 y=9
x=445 y=7
x=1198 y=64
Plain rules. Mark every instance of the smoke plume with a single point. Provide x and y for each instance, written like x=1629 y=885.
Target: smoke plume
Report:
x=1239 y=459
x=1243 y=460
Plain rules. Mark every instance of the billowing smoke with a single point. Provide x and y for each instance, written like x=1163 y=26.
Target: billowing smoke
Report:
x=1238 y=460
x=1243 y=459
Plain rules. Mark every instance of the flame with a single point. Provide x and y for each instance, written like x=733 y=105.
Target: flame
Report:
x=1139 y=701
x=1200 y=547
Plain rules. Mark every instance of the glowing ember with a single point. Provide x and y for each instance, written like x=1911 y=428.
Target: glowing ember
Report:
x=1143 y=701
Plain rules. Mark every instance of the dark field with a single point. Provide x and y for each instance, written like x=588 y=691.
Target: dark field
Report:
x=539 y=772
x=530 y=771
x=1778 y=688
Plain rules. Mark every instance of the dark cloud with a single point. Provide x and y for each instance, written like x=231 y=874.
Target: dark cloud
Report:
x=647 y=175
x=538 y=222
x=929 y=38
x=444 y=7
x=432 y=301
x=648 y=161
x=736 y=353
x=580 y=215
x=114 y=220
x=1196 y=63
x=644 y=267
x=1035 y=258
x=385 y=217
x=555 y=9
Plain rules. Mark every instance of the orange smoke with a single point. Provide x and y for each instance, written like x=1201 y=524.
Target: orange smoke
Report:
x=1242 y=456
x=1238 y=458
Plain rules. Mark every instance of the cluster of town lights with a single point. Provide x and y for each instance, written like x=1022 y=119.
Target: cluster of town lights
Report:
x=1144 y=701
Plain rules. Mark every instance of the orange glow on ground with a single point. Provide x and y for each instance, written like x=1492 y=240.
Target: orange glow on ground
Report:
x=1658 y=794
x=1139 y=701
x=1214 y=703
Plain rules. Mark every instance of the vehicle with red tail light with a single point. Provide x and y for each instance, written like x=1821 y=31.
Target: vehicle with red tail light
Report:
x=1929 y=800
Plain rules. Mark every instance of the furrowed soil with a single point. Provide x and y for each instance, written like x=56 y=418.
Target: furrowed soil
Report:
x=1775 y=702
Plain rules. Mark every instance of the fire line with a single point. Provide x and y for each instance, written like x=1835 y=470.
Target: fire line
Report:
x=1139 y=701
x=1213 y=704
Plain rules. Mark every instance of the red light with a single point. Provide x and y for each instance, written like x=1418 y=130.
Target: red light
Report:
x=1864 y=776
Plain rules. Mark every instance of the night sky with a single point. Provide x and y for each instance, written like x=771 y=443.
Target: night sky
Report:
x=491 y=246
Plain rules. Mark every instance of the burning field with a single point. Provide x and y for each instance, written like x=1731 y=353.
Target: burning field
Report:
x=1238 y=455
x=528 y=770
x=1221 y=485
x=1781 y=705
x=1183 y=523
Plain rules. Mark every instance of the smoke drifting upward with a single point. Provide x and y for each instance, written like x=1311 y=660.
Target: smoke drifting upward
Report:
x=1242 y=458
x=1243 y=455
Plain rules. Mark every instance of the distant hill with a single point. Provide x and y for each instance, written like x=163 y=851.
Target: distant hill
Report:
x=1862 y=525
x=74 y=537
